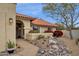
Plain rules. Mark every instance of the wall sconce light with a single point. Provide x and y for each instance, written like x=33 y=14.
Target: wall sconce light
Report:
x=10 y=20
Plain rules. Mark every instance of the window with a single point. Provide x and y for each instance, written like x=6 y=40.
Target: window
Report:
x=35 y=28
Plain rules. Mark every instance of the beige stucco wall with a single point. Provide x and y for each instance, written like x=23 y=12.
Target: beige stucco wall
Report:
x=42 y=29
x=34 y=36
x=75 y=34
x=27 y=26
x=53 y=28
x=7 y=30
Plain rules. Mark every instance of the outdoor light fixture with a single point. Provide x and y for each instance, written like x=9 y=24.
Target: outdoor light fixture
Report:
x=10 y=20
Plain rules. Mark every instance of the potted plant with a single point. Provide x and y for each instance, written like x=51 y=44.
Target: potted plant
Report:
x=10 y=47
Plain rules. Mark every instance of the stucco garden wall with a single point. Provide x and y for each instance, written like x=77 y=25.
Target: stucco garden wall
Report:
x=75 y=34
x=7 y=30
x=34 y=36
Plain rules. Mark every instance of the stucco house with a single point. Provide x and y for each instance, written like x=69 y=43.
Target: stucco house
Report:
x=14 y=25
x=43 y=25
x=26 y=23
x=22 y=25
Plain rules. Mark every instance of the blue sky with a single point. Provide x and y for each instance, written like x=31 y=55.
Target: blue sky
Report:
x=34 y=10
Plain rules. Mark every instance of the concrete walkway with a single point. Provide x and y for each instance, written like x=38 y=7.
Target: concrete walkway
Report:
x=71 y=45
x=27 y=48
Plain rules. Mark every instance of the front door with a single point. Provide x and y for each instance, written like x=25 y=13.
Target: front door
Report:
x=19 y=29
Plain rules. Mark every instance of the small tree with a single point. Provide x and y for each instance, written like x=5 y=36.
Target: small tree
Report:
x=67 y=14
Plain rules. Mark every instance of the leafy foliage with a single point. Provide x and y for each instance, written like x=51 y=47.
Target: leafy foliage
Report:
x=10 y=44
x=48 y=31
x=40 y=37
x=34 y=31
x=60 y=28
x=65 y=13
x=57 y=33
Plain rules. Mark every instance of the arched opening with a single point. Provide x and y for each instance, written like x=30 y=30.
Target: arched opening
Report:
x=19 y=29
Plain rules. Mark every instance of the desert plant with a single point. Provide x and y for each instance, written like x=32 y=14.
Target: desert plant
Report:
x=40 y=37
x=34 y=31
x=10 y=44
x=10 y=47
x=48 y=31
x=57 y=33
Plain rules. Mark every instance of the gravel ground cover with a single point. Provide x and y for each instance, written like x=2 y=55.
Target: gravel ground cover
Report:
x=55 y=48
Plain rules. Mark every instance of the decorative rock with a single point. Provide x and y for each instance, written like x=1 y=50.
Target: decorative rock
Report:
x=52 y=41
x=43 y=52
x=55 y=46
x=56 y=49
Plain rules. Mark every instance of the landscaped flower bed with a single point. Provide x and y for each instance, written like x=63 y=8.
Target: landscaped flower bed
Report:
x=57 y=33
x=34 y=31
x=34 y=36
x=48 y=31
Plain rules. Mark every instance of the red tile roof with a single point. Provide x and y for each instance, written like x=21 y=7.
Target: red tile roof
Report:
x=22 y=15
x=43 y=23
x=37 y=21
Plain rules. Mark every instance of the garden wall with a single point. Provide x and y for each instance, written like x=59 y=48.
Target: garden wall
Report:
x=75 y=34
x=33 y=36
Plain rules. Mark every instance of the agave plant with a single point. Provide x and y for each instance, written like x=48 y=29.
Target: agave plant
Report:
x=10 y=47
x=10 y=44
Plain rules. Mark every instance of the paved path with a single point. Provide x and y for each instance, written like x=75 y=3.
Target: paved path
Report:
x=28 y=49
x=71 y=45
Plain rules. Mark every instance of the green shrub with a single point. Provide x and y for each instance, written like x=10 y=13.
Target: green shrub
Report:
x=40 y=37
x=48 y=31
x=34 y=31
x=57 y=33
x=10 y=44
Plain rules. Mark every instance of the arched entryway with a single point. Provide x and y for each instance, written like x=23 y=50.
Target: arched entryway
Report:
x=19 y=29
